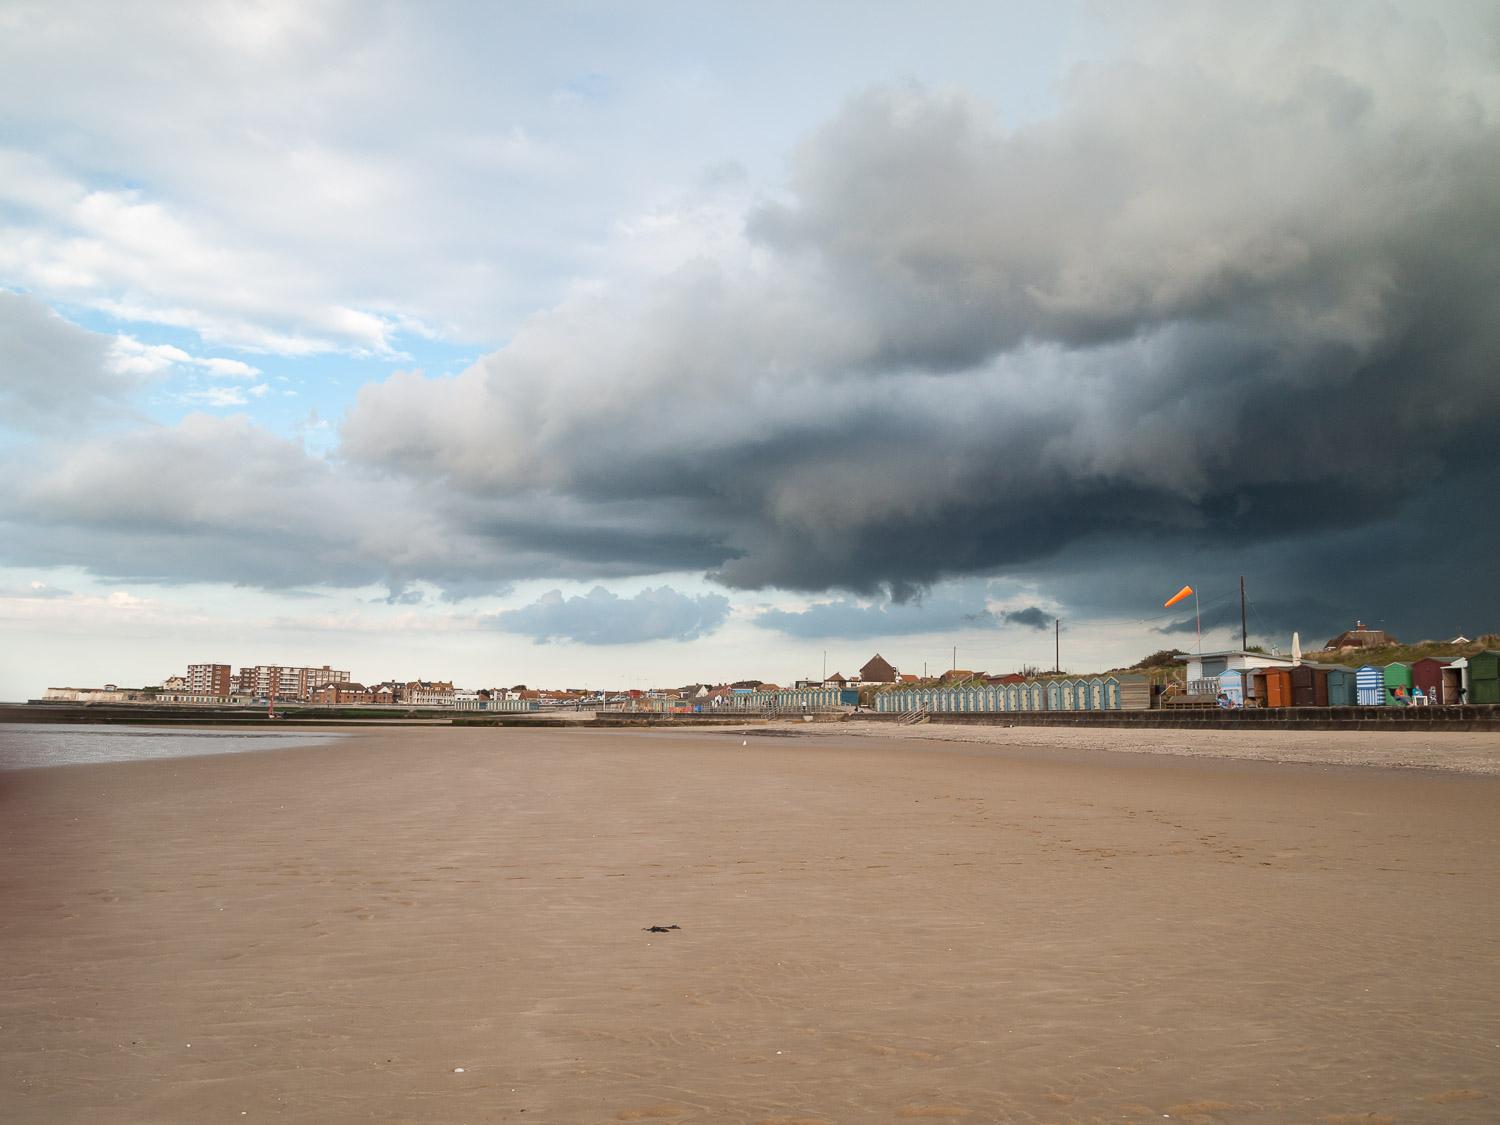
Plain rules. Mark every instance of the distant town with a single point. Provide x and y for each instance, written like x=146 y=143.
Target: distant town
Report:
x=325 y=686
x=1359 y=667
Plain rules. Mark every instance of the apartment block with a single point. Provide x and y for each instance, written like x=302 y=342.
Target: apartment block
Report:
x=285 y=681
x=207 y=679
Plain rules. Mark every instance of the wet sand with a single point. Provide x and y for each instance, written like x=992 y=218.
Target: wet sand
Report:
x=871 y=930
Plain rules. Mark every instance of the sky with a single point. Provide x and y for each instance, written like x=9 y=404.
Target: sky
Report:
x=631 y=345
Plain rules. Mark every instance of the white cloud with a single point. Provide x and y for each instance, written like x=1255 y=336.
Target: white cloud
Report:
x=228 y=368
x=217 y=396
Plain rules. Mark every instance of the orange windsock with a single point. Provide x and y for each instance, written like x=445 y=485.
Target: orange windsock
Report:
x=1185 y=592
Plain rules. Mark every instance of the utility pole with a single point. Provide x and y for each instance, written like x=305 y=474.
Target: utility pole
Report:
x=1057 y=644
x=955 y=658
x=1244 y=635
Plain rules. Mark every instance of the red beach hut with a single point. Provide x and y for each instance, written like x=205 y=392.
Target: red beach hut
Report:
x=1428 y=675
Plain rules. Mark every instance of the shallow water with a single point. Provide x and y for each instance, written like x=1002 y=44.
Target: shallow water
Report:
x=31 y=745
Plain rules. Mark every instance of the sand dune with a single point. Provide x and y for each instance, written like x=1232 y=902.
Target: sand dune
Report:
x=449 y=926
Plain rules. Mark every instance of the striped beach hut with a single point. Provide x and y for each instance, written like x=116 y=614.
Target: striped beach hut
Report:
x=1369 y=685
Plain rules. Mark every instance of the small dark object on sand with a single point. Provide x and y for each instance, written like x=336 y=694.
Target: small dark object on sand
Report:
x=661 y=929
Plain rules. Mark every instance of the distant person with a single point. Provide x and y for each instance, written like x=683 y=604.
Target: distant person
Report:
x=1418 y=697
x=1398 y=693
x=1224 y=700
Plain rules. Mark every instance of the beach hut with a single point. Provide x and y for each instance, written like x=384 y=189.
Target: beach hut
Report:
x=1309 y=686
x=1232 y=685
x=1341 y=689
x=1036 y=700
x=1055 y=695
x=1278 y=687
x=1111 y=693
x=1484 y=677
x=1427 y=674
x=1369 y=683
x=1456 y=680
x=1096 y=694
x=1397 y=676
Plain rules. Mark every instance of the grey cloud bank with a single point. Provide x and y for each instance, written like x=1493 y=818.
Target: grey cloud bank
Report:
x=938 y=612
x=603 y=618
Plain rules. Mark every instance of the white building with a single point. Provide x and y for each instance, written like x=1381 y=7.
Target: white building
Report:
x=1204 y=669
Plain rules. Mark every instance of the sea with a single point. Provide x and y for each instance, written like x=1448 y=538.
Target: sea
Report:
x=31 y=745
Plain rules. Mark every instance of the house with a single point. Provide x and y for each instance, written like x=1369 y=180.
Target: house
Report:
x=340 y=694
x=878 y=671
x=1361 y=637
x=425 y=693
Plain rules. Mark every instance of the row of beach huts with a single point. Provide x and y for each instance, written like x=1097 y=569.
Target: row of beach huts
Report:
x=1114 y=692
x=1433 y=681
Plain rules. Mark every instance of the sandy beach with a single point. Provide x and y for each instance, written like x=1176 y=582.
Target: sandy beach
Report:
x=449 y=926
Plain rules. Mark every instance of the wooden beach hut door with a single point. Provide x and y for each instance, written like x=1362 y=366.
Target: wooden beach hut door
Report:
x=1278 y=687
x=1455 y=680
x=1369 y=682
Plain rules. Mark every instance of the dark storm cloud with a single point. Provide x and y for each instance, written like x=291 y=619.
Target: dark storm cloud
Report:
x=602 y=618
x=944 y=612
x=1206 y=305
x=1031 y=617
